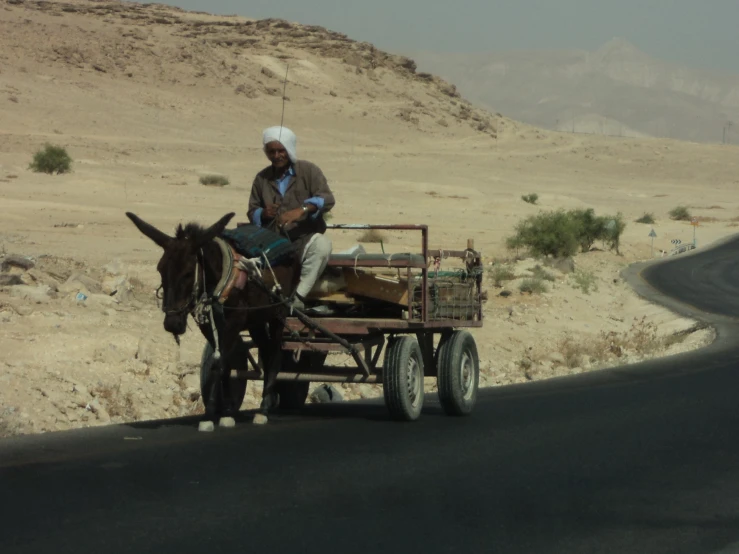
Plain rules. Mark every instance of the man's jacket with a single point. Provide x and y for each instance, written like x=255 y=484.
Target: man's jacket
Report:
x=308 y=185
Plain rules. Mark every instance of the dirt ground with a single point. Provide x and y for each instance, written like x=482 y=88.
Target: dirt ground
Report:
x=147 y=99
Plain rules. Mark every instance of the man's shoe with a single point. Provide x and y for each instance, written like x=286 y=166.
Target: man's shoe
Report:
x=321 y=309
x=297 y=303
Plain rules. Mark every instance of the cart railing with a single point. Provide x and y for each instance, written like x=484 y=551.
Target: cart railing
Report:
x=421 y=297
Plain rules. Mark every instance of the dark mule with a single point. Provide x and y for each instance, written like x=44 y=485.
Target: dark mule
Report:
x=192 y=264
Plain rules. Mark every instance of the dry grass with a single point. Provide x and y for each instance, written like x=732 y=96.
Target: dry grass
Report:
x=435 y=194
x=8 y=428
x=542 y=274
x=533 y=286
x=371 y=235
x=214 y=180
x=187 y=406
x=707 y=219
x=141 y=291
x=642 y=339
x=499 y=273
x=115 y=402
x=584 y=280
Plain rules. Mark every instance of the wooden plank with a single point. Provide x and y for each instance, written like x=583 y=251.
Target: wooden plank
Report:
x=336 y=298
x=376 y=286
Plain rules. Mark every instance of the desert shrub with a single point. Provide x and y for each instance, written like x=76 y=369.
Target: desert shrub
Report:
x=642 y=339
x=371 y=235
x=530 y=198
x=585 y=281
x=560 y=234
x=499 y=273
x=589 y=227
x=614 y=228
x=51 y=159
x=544 y=234
x=214 y=180
x=533 y=286
x=116 y=402
x=542 y=274
x=680 y=213
x=646 y=218
x=8 y=428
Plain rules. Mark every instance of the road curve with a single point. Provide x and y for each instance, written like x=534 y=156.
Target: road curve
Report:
x=638 y=459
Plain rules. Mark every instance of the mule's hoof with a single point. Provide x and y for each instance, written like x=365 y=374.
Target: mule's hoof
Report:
x=260 y=419
x=227 y=422
x=206 y=426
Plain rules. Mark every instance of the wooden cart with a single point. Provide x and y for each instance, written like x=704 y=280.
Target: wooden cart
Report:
x=404 y=305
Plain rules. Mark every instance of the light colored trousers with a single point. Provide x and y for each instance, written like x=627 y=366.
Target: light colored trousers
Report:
x=315 y=259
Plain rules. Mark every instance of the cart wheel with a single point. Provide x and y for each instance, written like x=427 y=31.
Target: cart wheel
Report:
x=293 y=394
x=238 y=361
x=402 y=378
x=458 y=373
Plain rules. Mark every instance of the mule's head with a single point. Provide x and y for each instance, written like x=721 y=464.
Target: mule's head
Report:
x=179 y=267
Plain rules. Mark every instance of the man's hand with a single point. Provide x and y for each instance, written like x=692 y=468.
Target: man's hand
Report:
x=271 y=211
x=291 y=216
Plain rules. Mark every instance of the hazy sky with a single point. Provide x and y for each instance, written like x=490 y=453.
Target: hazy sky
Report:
x=701 y=33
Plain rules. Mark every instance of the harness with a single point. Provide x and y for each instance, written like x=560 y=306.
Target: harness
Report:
x=236 y=271
x=206 y=308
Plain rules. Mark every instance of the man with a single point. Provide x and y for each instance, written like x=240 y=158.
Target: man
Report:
x=291 y=196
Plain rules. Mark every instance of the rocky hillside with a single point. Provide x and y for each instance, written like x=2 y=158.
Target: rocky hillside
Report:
x=154 y=44
x=616 y=90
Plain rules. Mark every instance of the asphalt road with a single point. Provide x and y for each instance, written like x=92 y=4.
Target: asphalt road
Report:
x=641 y=459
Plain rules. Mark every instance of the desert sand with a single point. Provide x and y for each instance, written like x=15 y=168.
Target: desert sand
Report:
x=147 y=99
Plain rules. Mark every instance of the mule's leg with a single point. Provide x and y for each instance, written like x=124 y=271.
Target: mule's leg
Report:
x=215 y=387
x=259 y=333
x=212 y=392
x=269 y=395
x=231 y=342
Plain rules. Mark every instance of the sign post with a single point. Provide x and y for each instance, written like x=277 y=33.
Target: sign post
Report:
x=652 y=234
x=694 y=223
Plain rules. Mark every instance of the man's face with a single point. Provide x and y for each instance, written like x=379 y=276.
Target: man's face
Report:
x=277 y=155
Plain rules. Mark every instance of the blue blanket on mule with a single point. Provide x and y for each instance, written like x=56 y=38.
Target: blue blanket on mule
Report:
x=252 y=241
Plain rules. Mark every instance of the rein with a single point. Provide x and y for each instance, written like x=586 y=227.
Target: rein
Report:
x=192 y=301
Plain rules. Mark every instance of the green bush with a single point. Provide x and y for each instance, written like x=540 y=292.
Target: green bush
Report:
x=680 y=213
x=614 y=228
x=544 y=234
x=590 y=227
x=499 y=273
x=214 y=180
x=532 y=286
x=646 y=218
x=51 y=159
x=585 y=280
x=542 y=274
x=530 y=198
x=560 y=234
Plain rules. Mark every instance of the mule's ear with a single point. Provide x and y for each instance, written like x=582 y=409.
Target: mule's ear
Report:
x=216 y=229
x=160 y=238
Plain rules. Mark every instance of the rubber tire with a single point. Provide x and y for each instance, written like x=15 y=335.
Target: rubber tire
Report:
x=398 y=354
x=294 y=394
x=450 y=355
x=238 y=361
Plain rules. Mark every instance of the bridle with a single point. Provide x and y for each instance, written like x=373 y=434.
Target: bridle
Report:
x=192 y=302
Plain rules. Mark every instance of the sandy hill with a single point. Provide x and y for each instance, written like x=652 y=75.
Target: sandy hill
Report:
x=616 y=90
x=148 y=98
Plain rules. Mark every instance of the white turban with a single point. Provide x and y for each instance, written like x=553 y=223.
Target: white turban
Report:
x=284 y=136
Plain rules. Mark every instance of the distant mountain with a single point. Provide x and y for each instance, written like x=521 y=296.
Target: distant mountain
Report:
x=617 y=89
